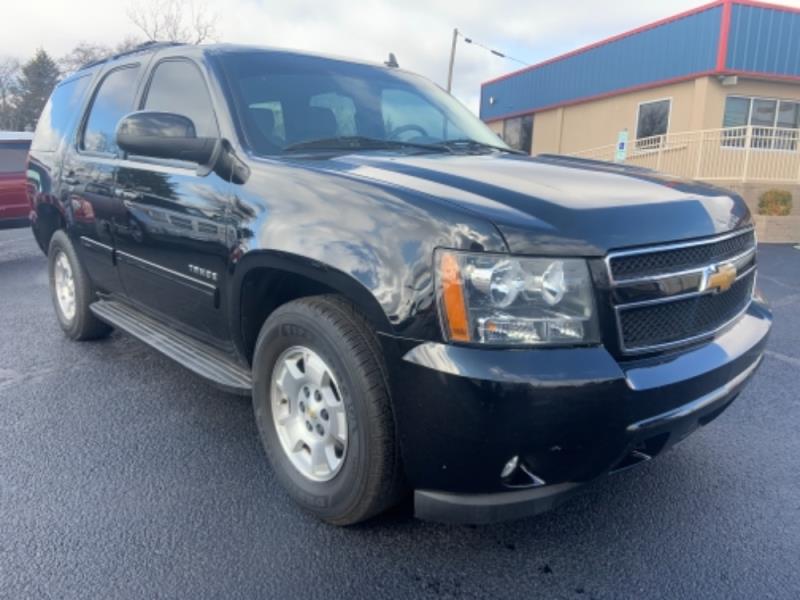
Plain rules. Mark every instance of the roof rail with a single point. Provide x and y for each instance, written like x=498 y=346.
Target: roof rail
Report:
x=149 y=45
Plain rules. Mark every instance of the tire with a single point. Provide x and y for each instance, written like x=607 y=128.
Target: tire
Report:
x=75 y=318
x=369 y=478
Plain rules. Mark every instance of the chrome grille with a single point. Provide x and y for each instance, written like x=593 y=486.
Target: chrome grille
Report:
x=675 y=294
x=680 y=258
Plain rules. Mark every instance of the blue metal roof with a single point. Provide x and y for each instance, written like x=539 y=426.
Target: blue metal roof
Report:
x=764 y=40
x=727 y=36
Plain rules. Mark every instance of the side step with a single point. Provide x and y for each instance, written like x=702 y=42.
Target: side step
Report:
x=189 y=352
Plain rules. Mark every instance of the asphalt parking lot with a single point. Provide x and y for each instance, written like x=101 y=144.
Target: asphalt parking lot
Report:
x=124 y=476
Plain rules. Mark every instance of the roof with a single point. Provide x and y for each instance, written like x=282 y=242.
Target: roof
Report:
x=725 y=37
x=143 y=47
x=223 y=48
x=15 y=136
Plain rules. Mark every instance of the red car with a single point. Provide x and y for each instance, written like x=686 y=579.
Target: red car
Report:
x=14 y=205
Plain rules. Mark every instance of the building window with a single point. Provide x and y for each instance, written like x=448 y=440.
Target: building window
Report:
x=518 y=132
x=775 y=124
x=652 y=123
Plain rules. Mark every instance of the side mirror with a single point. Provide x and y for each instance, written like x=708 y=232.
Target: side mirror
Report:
x=164 y=135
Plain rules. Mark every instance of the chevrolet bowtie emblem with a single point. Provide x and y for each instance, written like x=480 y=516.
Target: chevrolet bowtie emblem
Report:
x=719 y=278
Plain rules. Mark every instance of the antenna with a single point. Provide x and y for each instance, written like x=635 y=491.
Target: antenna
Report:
x=392 y=62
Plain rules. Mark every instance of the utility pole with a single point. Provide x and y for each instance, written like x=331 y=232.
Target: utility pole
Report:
x=452 y=61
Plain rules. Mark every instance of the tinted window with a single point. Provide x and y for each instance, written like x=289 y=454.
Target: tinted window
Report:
x=59 y=114
x=13 y=156
x=178 y=87
x=283 y=99
x=267 y=117
x=653 y=119
x=406 y=114
x=343 y=109
x=113 y=101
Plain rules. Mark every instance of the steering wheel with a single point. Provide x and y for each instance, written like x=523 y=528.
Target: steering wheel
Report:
x=396 y=133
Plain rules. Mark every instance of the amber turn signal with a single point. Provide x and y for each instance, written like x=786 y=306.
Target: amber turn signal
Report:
x=453 y=302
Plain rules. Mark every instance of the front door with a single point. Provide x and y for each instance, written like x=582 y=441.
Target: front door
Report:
x=172 y=251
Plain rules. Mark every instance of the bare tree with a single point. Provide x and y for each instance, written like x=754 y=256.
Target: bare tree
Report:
x=9 y=76
x=86 y=52
x=82 y=54
x=186 y=21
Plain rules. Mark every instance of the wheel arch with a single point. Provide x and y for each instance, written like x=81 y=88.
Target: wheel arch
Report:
x=47 y=220
x=264 y=280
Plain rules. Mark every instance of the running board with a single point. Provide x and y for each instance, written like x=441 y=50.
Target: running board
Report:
x=185 y=350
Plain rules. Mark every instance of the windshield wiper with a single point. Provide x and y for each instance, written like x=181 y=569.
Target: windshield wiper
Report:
x=360 y=142
x=473 y=144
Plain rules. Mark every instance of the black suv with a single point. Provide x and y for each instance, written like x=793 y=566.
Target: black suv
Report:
x=411 y=304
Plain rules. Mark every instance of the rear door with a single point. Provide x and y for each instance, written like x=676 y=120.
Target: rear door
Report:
x=89 y=171
x=173 y=252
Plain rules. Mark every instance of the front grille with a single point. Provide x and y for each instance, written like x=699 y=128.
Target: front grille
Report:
x=679 y=309
x=670 y=322
x=680 y=258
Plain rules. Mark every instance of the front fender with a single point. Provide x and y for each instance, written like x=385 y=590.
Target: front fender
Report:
x=372 y=243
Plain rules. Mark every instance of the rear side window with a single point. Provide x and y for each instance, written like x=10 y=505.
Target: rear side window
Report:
x=59 y=114
x=178 y=87
x=113 y=101
x=13 y=156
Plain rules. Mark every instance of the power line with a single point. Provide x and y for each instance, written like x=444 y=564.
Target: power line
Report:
x=492 y=50
x=468 y=40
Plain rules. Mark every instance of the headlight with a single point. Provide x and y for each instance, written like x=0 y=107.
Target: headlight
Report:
x=504 y=300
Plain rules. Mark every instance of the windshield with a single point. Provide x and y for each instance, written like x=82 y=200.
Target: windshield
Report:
x=284 y=101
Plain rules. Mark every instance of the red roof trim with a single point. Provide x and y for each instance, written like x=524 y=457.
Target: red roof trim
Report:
x=614 y=38
x=635 y=88
x=724 y=34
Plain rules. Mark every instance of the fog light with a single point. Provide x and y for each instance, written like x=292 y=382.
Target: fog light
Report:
x=510 y=467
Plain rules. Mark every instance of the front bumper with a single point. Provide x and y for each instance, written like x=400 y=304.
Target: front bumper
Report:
x=570 y=415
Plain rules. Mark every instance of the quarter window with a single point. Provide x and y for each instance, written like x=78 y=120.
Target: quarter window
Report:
x=58 y=115
x=518 y=132
x=113 y=101
x=177 y=86
x=653 y=119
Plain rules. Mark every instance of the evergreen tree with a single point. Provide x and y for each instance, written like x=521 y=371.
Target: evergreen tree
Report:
x=9 y=70
x=39 y=77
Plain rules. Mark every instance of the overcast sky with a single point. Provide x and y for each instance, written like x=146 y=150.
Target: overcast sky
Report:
x=417 y=31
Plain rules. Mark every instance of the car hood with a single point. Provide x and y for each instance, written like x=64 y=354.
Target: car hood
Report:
x=559 y=205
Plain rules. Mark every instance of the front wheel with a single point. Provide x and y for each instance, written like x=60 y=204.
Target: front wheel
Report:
x=322 y=406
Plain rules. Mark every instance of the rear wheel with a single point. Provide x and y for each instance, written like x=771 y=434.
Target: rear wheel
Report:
x=323 y=411
x=72 y=291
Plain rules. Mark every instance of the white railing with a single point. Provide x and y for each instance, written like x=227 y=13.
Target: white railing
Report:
x=759 y=154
